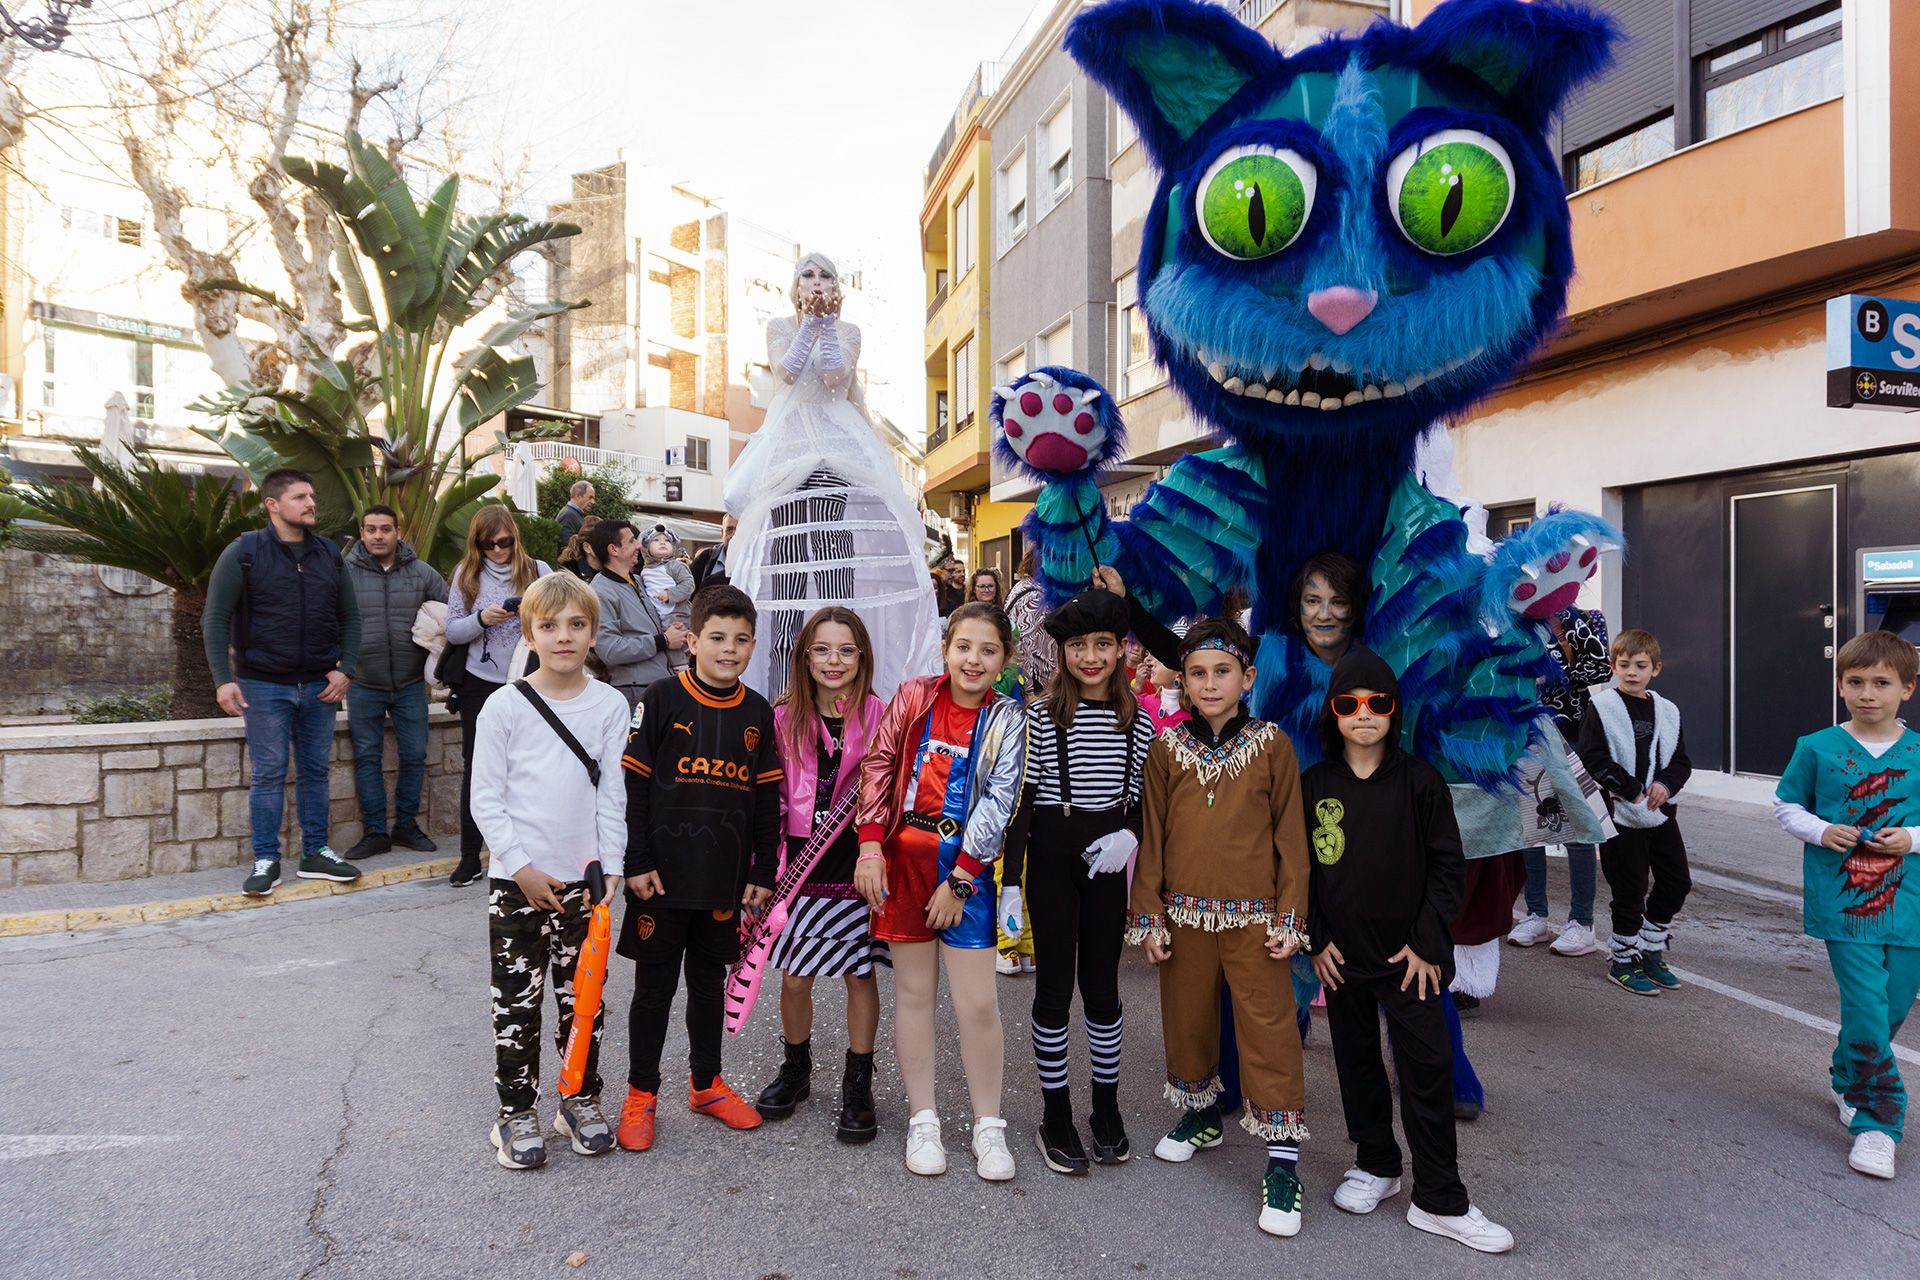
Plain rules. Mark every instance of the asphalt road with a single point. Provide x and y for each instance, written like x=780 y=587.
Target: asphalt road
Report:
x=304 y=1092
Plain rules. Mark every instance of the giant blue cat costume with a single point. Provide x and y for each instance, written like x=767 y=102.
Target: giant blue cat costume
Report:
x=1347 y=245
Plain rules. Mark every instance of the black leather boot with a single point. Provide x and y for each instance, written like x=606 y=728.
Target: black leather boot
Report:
x=792 y=1085
x=857 y=1121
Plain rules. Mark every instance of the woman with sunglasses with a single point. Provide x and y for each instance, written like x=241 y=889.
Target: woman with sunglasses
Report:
x=496 y=569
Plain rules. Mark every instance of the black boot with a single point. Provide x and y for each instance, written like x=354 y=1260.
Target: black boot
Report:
x=792 y=1085
x=1058 y=1138
x=1110 y=1145
x=857 y=1122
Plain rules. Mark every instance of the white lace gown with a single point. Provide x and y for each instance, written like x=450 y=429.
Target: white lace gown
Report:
x=824 y=520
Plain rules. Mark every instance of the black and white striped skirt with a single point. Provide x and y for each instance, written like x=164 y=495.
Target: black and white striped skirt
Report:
x=828 y=938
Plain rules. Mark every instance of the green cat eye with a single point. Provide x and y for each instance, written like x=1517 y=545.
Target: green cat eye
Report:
x=1253 y=201
x=1451 y=190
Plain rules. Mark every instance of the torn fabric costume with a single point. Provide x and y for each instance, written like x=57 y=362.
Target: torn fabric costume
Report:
x=1223 y=867
x=815 y=487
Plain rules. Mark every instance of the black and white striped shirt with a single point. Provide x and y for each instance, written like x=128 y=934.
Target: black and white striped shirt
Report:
x=1095 y=757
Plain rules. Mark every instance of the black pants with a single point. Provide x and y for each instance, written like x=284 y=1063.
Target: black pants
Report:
x=1078 y=924
x=473 y=696
x=526 y=944
x=1629 y=858
x=706 y=945
x=1423 y=1060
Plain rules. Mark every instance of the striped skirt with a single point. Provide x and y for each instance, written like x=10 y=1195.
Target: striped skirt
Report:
x=828 y=938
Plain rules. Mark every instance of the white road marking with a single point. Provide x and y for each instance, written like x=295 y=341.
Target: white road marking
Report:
x=1788 y=1012
x=1734 y=884
x=291 y=966
x=24 y=1146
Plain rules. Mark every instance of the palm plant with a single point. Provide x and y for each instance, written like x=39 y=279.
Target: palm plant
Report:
x=153 y=520
x=435 y=272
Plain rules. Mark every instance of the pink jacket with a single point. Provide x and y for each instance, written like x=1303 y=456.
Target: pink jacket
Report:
x=802 y=775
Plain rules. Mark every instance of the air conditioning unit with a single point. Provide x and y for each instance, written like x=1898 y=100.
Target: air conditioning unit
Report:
x=960 y=508
x=677 y=456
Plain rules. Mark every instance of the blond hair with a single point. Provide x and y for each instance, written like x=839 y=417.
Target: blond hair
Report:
x=489 y=523
x=552 y=596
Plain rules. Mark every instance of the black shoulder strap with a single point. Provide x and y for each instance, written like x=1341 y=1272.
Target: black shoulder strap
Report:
x=566 y=736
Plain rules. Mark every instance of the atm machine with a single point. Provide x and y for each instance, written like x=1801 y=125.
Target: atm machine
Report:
x=1886 y=596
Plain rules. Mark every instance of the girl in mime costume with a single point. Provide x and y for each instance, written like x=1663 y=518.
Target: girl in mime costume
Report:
x=1078 y=826
x=824 y=520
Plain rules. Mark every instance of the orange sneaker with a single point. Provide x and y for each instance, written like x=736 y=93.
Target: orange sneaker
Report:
x=636 y=1120
x=723 y=1104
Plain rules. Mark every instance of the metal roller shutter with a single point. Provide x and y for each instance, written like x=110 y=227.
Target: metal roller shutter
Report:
x=1641 y=81
x=1721 y=22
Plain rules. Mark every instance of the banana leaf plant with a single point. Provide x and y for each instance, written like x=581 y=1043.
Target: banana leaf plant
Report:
x=387 y=428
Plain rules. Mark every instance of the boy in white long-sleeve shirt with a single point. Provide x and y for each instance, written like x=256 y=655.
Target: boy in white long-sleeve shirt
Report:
x=546 y=816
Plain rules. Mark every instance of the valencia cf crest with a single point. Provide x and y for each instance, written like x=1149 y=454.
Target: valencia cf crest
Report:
x=753 y=737
x=645 y=926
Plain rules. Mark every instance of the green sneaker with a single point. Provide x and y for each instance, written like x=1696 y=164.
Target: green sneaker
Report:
x=321 y=864
x=1196 y=1131
x=265 y=878
x=1630 y=978
x=1280 y=1208
x=1654 y=965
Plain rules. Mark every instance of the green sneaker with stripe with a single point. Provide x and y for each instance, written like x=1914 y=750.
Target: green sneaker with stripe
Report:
x=1196 y=1131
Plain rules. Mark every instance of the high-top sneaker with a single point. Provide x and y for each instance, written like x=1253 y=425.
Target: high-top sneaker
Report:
x=792 y=1085
x=857 y=1121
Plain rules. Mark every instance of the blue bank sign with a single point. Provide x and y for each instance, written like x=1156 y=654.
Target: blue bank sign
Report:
x=1882 y=565
x=1873 y=353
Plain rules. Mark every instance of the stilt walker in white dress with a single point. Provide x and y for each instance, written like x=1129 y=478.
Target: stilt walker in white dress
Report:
x=823 y=517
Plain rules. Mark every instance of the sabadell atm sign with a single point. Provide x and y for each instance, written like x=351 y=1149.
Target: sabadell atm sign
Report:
x=1873 y=353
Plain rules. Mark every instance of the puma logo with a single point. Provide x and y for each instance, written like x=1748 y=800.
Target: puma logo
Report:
x=688 y=726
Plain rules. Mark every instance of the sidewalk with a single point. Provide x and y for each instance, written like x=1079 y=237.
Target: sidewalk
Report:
x=74 y=907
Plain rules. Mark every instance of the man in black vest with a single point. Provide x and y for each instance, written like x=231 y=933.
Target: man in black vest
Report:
x=281 y=601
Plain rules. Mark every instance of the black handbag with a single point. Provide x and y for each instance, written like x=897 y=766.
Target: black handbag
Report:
x=452 y=671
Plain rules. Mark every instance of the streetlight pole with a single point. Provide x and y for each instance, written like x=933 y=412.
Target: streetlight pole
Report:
x=45 y=34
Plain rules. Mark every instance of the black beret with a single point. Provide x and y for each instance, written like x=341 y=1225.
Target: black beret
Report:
x=1092 y=610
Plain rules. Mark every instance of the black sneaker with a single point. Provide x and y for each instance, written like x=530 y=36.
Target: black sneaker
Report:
x=468 y=871
x=408 y=835
x=265 y=878
x=1110 y=1145
x=1468 y=1006
x=1062 y=1150
x=1654 y=965
x=377 y=842
x=322 y=865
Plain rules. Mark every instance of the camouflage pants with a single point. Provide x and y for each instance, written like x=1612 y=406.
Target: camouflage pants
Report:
x=525 y=942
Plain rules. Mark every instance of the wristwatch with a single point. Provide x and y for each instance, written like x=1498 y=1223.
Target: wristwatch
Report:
x=961 y=889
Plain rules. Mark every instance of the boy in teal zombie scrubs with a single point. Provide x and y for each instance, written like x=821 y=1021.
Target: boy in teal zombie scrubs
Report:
x=1851 y=794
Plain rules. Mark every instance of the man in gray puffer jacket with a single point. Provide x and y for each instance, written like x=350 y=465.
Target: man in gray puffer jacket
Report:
x=391 y=583
x=634 y=641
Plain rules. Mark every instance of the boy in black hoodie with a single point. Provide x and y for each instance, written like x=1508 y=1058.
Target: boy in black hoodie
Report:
x=1387 y=877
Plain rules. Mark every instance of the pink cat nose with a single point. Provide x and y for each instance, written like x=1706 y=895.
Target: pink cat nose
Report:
x=1341 y=307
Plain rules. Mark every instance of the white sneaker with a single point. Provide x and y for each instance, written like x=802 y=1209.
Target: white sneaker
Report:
x=925 y=1154
x=1006 y=965
x=1471 y=1228
x=1872 y=1154
x=1361 y=1192
x=991 y=1159
x=1027 y=965
x=1840 y=1104
x=1575 y=940
x=1532 y=931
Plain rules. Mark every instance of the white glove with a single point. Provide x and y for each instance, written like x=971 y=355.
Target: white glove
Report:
x=1110 y=853
x=1013 y=919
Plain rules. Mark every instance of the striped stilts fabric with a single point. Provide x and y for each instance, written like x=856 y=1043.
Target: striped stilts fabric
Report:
x=807 y=542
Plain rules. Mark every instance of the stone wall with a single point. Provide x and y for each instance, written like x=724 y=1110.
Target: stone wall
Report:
x=121 y=801
x=55 y=619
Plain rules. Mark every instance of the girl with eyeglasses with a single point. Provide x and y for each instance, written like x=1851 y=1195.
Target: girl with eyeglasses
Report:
x=819 y=924
x=495 y=569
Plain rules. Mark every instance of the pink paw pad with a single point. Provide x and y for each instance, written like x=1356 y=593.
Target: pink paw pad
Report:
x=1059 y=430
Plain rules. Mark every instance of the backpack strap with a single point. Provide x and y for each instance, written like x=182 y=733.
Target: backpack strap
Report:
x=566 y=735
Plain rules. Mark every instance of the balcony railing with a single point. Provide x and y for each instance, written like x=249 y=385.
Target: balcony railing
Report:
x=939 y=300
x=985 y=83
x=936 y=437
x=1255 y=12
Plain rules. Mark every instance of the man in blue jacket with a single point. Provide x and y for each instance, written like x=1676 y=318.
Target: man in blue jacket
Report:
x=390 y=583
x=280 y=600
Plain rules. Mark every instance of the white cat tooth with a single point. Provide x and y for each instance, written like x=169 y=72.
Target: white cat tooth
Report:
x=1393 y=389
x=1296 y=363
x=1219 y=370
x=1415 y=381
x=1353 y=397
x=1311 y=400
x=1234 y=385
x=1257 y=389
x=1293 y=396
x=1276 y=396
x=1343 y=366
x=1330 y=402
x=1318 y=360
x=1370 y=392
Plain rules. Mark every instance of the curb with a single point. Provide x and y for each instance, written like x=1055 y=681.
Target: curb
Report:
x=81 y=919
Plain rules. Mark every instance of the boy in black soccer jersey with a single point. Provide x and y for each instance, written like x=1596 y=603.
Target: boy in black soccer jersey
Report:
x=703 y=836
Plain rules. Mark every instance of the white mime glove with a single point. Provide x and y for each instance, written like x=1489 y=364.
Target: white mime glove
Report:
x=796 y=357
x=1110 y=853
x=1013 y=919
x=829 y=343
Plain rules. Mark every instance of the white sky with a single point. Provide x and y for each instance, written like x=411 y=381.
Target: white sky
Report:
x=812 y=118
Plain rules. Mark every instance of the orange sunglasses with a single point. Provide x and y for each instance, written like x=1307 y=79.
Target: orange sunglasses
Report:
x=1346 y=705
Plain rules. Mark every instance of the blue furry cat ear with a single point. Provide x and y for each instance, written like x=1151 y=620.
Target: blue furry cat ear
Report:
x=1171 y=64
x=1531 y=55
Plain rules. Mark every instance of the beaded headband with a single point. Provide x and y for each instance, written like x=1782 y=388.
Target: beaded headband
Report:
x=1224 y=645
